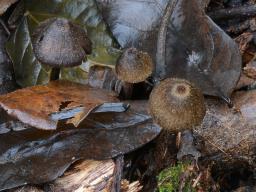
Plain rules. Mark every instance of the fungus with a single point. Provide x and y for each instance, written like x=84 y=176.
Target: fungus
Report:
x=177 y=105
x=134 y=66
x=57 y=42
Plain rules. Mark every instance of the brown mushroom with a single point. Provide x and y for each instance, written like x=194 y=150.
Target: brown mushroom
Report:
x=134 y=66
x=57 y=42
x=177 y=105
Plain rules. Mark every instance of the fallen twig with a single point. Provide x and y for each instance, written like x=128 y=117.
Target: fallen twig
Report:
x=230 y=13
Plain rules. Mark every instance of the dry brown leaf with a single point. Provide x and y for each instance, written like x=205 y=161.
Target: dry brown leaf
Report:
x=41 y=106
x=231 y=132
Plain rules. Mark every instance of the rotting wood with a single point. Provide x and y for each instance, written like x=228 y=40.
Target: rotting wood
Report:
x=86 y=176
x=89 y=175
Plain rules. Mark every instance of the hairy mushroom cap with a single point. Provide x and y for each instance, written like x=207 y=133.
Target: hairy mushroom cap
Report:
x=177 y=105
x=134 y=66
x=58 y=42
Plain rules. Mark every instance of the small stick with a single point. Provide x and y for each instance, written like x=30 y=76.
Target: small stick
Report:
x=231 y=13
x=5 y=27
x=118 y=172
x=161 y=39
x=197 y=180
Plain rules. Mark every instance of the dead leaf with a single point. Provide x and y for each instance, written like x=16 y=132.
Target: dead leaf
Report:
x=43 y=106
x=100 y=136
x=231 y=132
x=195 y=48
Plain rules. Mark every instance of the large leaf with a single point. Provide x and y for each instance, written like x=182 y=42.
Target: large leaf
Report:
x=42 y=156
x=195 y=47
x=43 y=106
x=28 y=70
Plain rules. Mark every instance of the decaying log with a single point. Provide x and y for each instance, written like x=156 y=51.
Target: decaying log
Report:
x=87 y=176
x=231 y=13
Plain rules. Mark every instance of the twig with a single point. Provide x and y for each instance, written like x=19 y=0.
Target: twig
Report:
x=245 y=11
x=197 y=180
x=5 y=27
x=161 y=39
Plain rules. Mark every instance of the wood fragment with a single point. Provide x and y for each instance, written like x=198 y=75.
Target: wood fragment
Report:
x=89 y=175
x=132 y=187
x=231 y=13
x=243 y=41
x=118 y=172
x=27 y=189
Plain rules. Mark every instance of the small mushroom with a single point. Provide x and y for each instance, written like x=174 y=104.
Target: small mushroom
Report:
x=177 y=105
x=57 y=42
x=134 y=66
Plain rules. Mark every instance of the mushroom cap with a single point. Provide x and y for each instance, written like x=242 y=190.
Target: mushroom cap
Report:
x=134 y=66
x=177 y=105
x=58 y=42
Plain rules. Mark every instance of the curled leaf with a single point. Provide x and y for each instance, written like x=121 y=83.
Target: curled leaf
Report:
x=100 y=136
x=43 y=106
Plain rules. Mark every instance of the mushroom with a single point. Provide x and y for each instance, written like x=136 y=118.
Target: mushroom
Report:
x=134 y=66
x=177 y=105
x=57 y=42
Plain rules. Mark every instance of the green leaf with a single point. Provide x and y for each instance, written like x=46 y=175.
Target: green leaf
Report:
x=28 y=70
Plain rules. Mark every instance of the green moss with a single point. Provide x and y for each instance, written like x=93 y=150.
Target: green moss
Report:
x=169 y=179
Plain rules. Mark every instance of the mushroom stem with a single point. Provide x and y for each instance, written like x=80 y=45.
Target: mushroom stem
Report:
x=55 y=74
